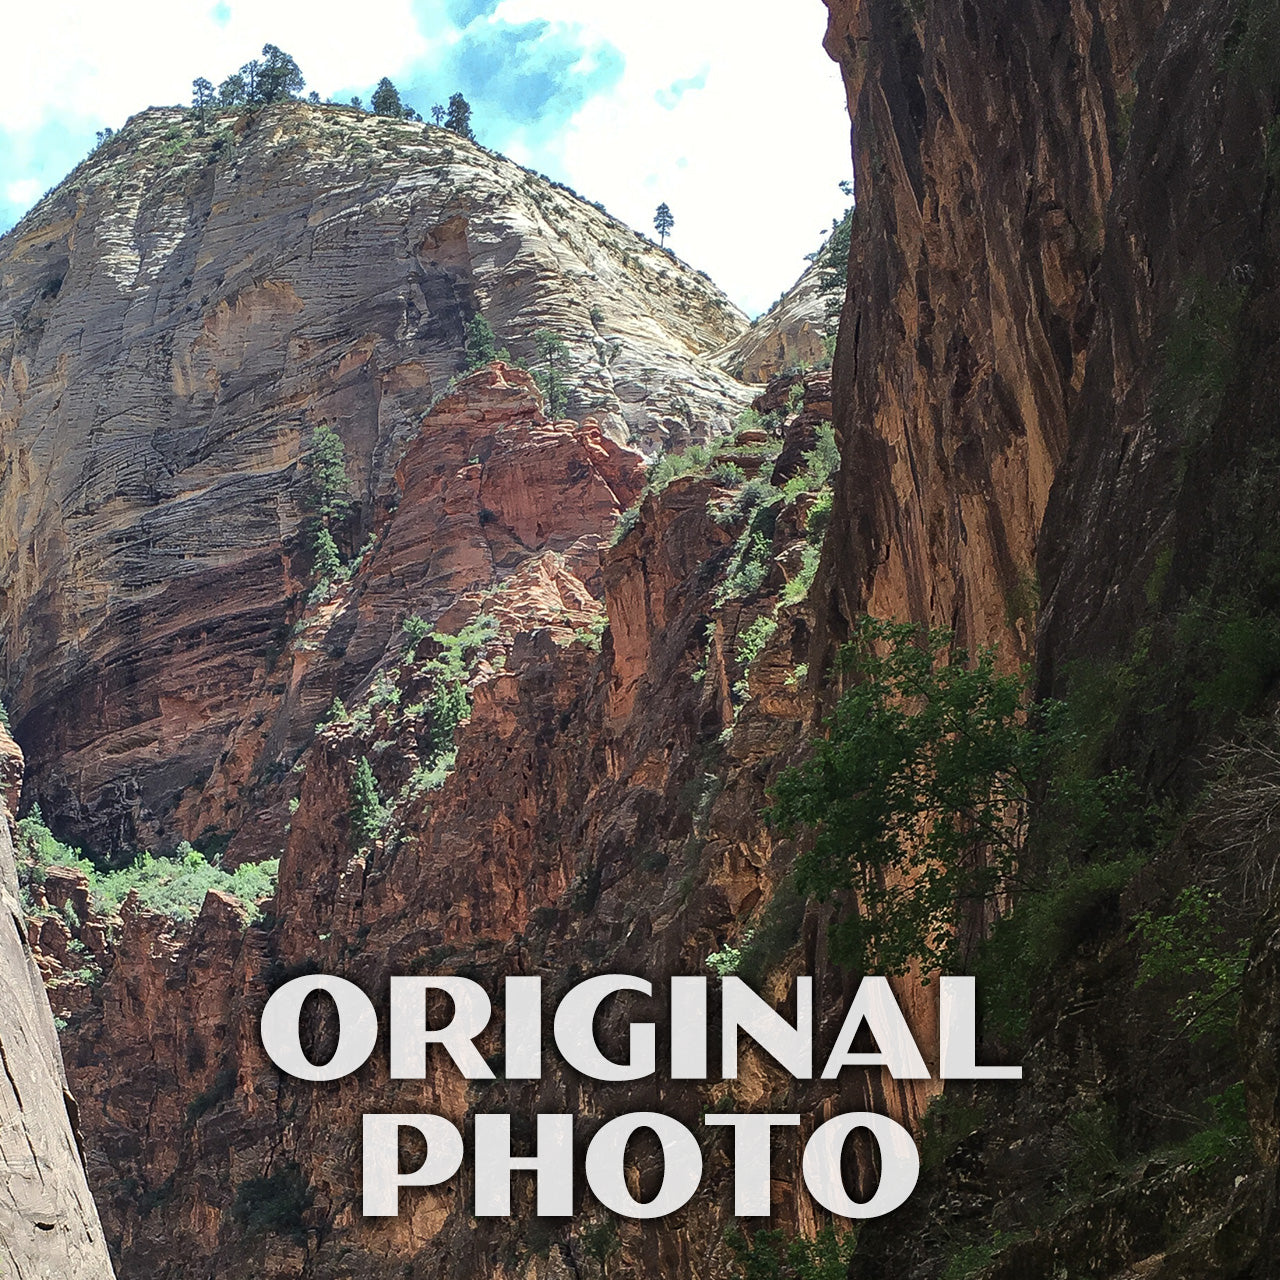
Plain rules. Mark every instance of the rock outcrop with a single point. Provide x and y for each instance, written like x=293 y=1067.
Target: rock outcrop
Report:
x=604 y=807
x=179 y=315
x=792 y=334
x=49 y=1228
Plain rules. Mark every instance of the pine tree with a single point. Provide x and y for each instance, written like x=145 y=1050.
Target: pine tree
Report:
x=554 y=355
x=386 y=100
x=367 y=813
x=663 y=222
x=233 y=92
x=279 y=76
x=249 y=76
x=355 y=102
x=201 y=96
x=459 y=117
x=327 y=465
x=482 y=342
x=328 y=563
x=438 y=113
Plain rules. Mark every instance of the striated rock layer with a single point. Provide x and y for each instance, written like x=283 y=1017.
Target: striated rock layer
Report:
x=49 y=1228
x=178 y=317
x=603 y=813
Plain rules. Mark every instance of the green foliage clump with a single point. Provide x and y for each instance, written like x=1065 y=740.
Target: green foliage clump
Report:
x=798 y=587
x=368 y=814
x=821 y=463
x=671 y=464
x=277 y=1203
x=328 y=563
x=386 y=100
x=916 y=799
x=326 y=464
x=553 y=360
x=175 y=886
x=627 y=520
x=4 y=716
x=482 y=343
x=771 y=1255
x=1189 y=948
x=449 y=702
x=458 y=117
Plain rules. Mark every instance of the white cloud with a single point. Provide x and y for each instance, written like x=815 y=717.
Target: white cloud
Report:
x=749 y=162
x=23 y=191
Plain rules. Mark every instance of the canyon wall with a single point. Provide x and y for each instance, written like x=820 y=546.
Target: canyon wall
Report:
x=179 y=316
x=48 y=1223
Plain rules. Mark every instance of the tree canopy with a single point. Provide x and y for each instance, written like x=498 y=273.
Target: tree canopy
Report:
x=386 y=100
x=459 y=117
x=663 y=222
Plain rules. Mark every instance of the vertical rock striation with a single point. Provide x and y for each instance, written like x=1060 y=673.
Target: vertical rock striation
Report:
x=49 y=1228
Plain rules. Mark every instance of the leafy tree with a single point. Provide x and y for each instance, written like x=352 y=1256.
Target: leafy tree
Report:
x=917 y=798
x=327 y=467
x=250 y=73
x=355 y=102
x=663 y=222
x=411 y=114
x=233 y=91
x=314 y=98
x=368 y=814
x=438 y=113
x=459 y=117
x=386 y=100
x=201 y=96
x=279 y=76
x=102 y=135
x=553 y=355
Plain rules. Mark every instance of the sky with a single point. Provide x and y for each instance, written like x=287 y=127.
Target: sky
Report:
x=729 y=111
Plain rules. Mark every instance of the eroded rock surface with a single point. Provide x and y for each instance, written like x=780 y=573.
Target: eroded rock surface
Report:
x=179 y=316
x=49 y=1228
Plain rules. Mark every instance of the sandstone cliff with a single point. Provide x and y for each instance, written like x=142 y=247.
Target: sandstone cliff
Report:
x=603 y=805
x=48 y=1223
x=179 y=315
x=791 y=334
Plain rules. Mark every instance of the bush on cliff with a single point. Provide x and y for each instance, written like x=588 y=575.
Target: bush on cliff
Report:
x=916 y=804
x=175 y=886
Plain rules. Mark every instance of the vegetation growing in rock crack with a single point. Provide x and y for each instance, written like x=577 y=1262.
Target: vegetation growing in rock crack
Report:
x=915 y=805
x=174 y=885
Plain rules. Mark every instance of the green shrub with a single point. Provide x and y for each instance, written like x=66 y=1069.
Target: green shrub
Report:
x=771 y=1255
x=916 y=800
x=175 y=886
x=1191 y=947
x=277 y=1203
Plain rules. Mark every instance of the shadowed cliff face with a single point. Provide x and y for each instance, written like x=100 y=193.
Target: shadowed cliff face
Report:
x=603 y=814
x=984 y=151
x=48 y=1223
x=178 y=317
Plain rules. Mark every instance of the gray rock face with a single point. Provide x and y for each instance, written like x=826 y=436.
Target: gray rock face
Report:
x=791 y=332
x=175 y=321
x=49 y=1227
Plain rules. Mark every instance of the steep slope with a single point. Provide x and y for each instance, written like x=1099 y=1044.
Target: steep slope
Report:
x=791 y=334
x=179 y=315
x=604 y=805
x=48 y=1223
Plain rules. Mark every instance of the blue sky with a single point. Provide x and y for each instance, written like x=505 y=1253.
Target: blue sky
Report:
x=727 y=110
